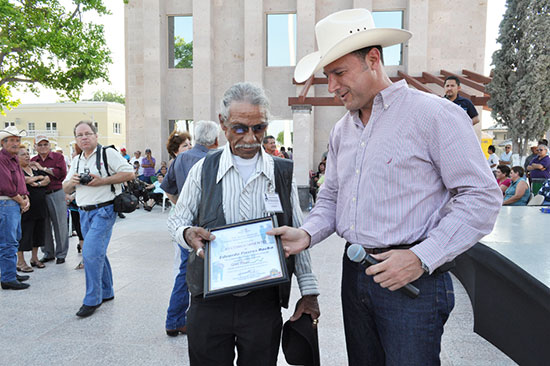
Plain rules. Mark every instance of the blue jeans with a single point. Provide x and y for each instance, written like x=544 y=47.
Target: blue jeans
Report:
x=179 y=300
x=386 y=327
x=97 y=227
x=10 y=234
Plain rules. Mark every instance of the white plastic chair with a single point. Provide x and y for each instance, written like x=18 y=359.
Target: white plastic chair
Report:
x=536 y=200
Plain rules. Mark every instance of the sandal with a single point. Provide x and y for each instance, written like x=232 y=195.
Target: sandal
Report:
x=38 y=264
x=25 y=268
x=79 y=266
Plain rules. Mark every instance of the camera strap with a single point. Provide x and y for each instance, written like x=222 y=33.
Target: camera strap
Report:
x=98 y=157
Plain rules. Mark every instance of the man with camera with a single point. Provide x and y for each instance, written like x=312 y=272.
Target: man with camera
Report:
x=95 y=197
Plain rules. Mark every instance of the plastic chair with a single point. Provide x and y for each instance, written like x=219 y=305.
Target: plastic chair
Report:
x=536 y=200
x=164 y=198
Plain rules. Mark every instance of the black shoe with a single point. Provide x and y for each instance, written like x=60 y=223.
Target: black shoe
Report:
x=107 y=299
x=14 y=285
x=44 y=259
x=175 y=332
x=121 y=215
x=78 y=248
x=22 y=278
x=60 y=261
x=86 y=310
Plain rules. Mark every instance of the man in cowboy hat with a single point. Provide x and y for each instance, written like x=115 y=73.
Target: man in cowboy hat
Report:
x=54 y=165
x=414 y=208
x=13 y=201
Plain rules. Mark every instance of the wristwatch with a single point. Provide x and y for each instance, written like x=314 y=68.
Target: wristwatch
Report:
x=424 y=267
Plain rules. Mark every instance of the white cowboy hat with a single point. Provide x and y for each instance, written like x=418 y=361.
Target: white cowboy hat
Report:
x=343 y=32
x=12 y=131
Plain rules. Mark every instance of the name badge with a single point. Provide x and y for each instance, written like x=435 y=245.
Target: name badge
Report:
x=272 y=202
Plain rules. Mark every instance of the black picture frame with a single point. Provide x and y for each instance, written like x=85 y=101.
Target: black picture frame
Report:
x=246 y=285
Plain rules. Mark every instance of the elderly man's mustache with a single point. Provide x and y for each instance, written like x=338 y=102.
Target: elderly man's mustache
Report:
x=247 y=146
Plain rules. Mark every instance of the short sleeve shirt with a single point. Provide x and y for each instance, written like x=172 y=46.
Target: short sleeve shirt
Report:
x=467 y=105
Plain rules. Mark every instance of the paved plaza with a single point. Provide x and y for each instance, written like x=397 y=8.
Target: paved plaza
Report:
x=38 y=326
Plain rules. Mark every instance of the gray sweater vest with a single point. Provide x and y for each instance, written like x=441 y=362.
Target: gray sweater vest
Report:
x=211 y=215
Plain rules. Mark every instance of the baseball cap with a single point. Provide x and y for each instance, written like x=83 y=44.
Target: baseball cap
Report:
x=39 y=138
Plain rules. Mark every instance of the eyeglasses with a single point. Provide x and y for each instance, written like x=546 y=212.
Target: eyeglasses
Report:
x=541 y=149
x=87 y=134
x=242 y=129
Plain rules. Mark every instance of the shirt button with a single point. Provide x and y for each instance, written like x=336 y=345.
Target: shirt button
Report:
x=357 y=171
x=363 y=143
x=353 y=199
x=351 y=227
x=386 y=106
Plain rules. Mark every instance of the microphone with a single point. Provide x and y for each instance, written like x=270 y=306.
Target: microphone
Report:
x=357 y=254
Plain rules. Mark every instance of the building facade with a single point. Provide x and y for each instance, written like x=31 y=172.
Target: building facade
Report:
x=233 y=40
x=57 y=121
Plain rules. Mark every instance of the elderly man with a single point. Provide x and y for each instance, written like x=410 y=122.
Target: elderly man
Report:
x=54 y=165
x=96 y=187
x=414 y=208
x=13 y=201
x=206 y=138
x=226 y=187
x=506 y=156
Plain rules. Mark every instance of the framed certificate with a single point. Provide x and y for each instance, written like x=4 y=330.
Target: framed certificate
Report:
x=242 y=258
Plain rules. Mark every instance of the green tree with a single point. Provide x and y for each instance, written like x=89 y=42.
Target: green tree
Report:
x=183 y=53
x=281 y=138
x=100 y=96
x=519 y=89
x=42 y=43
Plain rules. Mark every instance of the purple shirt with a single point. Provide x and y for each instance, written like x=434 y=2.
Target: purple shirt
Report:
x=537 y=173
x=414 y=172
x=56 y=162
x=12 y=182
x=148 y=172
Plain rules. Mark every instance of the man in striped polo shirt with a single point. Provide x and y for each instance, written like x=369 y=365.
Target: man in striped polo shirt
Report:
x=414 y=208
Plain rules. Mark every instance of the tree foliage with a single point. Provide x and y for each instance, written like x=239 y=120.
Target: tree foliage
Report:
x=520 y=86
x=183 y=53
x=101 y=96
x=42 y=43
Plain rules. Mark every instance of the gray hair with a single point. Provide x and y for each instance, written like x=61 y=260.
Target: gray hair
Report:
x=206 y=132
x=244 y=92
x=89 y=123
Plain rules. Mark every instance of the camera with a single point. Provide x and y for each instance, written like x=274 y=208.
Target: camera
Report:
x=85 y=177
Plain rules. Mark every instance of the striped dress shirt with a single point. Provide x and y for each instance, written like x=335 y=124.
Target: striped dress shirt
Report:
x=414 y=172
x=241 y=201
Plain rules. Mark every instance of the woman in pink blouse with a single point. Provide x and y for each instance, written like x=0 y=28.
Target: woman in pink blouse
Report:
x=503 y=177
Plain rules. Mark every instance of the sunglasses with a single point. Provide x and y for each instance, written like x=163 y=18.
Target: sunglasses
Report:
x=242 y=129
x=541 y=149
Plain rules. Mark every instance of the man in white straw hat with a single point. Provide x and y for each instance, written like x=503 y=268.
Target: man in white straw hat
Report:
x=414 y=208
x=13 y=201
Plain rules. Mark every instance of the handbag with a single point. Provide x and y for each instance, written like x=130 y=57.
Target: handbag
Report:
x=125 y=202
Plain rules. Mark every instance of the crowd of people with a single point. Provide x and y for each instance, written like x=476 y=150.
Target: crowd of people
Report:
x=520 y=183
x=421 y=224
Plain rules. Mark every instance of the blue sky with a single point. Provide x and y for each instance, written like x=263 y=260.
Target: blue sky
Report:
x=183 y=27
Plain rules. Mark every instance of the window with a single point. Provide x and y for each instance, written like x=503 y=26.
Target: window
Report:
x=51 y=126
x=8 y=124
x=393 y=55
x=30 y=126
x=281 y=40
x=116 y=128
x=180 y=42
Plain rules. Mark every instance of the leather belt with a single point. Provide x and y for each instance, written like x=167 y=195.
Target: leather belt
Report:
x=49 y=191
x=94 y=207
x=387 y=249
x=445 y=267
x=4 y=198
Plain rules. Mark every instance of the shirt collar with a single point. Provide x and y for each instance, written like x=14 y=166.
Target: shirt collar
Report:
x=200 y=147
x=386 y=97
x=7 y=154
x=263 y=166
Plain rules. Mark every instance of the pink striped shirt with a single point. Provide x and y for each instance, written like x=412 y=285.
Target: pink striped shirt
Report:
x=414 y=172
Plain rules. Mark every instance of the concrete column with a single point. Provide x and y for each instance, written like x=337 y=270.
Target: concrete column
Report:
x=254 y=34
x=203 y=92
x=367 y=4
x=303 y=152
x=416 y=50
